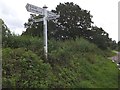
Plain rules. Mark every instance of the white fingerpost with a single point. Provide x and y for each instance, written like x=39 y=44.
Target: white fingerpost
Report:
x=47 y=16
x=45 y=31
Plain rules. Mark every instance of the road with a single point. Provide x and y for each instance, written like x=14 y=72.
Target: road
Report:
x=116 y=58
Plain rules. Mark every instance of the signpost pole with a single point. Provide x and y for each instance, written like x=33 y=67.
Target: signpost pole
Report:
x=47 y=16
x=45 y=31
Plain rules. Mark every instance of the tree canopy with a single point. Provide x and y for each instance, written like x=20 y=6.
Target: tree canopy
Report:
x=73 y=22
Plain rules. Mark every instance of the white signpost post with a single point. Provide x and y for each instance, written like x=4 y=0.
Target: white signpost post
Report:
x=47 y=15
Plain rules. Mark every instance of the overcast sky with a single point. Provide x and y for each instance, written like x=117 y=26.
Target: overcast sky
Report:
x=105 y=13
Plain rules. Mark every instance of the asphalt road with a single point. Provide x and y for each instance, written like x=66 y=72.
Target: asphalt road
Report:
x=116 y=58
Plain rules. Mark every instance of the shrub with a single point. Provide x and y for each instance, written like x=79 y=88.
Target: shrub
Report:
x=71 y=64
x=25 y=69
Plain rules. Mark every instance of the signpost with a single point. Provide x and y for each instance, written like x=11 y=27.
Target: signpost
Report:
x=47 y=15
x=34 y=9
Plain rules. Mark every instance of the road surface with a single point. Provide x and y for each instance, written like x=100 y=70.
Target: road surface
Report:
x=116 y=59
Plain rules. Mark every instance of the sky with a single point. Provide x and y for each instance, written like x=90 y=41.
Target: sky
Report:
x=104 y=12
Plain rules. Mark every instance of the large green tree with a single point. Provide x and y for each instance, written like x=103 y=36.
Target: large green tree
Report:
x=73 y=22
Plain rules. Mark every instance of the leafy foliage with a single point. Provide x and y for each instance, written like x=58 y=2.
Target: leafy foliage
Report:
x=6 y=34
x=71 y=64
x=25 y=69
x=81 y=66
x=99 y=37
x=29 y=43
x=74 y=22
x=33 y=28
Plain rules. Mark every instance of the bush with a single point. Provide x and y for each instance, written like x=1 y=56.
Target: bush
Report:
x=34 y=44
x=21 y=41
x=80 y=64
x=25 y=69
x=71 y=64
x=62 y=52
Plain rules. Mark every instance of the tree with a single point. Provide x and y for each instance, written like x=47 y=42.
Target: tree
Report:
x=99 y=37
x=112 y=44
x=6 y=34
x=33 y=28
x=73 y=22
x=5 y=30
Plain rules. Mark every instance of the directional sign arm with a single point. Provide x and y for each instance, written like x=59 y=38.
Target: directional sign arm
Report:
x=38 y=10
x=53 y=17
x=50 y=13
x=34 y=9
x=38 y=20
